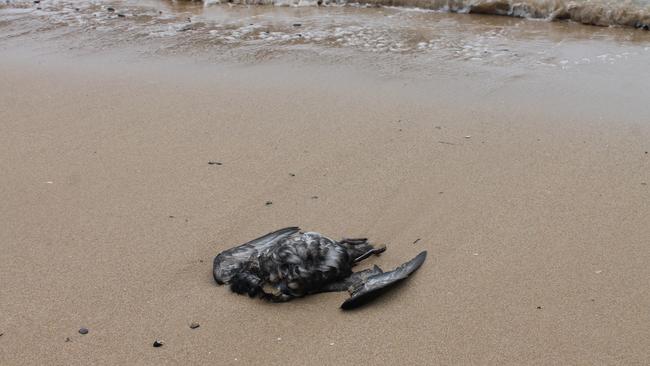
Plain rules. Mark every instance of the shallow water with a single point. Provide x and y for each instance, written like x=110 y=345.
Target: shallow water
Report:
x=388 y=37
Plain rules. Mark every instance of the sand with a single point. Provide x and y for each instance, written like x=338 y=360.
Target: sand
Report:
x=530 y=195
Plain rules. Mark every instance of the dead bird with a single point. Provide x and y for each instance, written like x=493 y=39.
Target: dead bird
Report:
x=288 y=263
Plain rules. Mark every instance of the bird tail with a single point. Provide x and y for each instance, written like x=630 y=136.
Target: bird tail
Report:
x=360 y=249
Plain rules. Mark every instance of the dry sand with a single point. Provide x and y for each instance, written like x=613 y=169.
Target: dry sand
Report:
x=537 y=225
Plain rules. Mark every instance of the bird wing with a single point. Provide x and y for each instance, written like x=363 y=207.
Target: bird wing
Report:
x=375 y=285
x=229 y=262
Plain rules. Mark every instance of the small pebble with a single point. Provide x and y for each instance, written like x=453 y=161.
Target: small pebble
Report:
x=121 y=15
x=598 y=272
x=539 y=307
x=268 y=203
x=110 y=9
x=158 y=343
x=297 y=24
x=468 y=137
x=194 y=325
x=67 y=339
x=314 y=197
x=83 y=331
x=215 y=163
x=291 y=174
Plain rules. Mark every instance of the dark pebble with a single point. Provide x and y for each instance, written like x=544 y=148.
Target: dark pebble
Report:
x=171 y=216
x=314 y=197
x=200 y=260
x=83 y=331
x=268 y=203
x=121 y=15
x=194 y=325
x=539 y=307
x=297 y=24
x=37 y=1
x=293 y=175
x=157 y=343
x=110 y=9
x=214 y=163
x=67 y=339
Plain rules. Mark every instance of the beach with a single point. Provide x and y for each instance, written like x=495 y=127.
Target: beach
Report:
x=124 y=173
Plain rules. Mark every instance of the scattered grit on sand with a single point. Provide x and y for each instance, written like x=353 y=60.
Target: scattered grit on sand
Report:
x=121 y=180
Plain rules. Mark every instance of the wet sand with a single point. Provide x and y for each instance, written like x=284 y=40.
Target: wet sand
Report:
x=530 y=195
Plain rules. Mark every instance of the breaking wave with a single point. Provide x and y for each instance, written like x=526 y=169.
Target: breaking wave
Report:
x=629 y=13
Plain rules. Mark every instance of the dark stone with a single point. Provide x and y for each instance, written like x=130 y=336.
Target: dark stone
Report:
x=67 y=339
x=121 y=15
x=539 y=307
x=215 y=163
x=110 y=9
x=194 y=325
x=293 y=175
x=268 y=203
x=37 y=1
x=297 y=24
x=157 y=343
x=83 y=330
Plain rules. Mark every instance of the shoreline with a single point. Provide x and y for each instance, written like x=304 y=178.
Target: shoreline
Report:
x=536 y=224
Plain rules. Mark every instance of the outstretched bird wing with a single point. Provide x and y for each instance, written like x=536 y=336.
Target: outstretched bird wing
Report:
x=229 y=262
x=373 y=286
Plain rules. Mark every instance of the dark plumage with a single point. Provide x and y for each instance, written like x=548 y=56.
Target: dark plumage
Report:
x=288 y=263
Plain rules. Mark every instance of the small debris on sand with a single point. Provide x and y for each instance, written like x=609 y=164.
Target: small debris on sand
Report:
x=416 y=240
x=67 y=339
x=110 y=9
x=468 y=137
x=83 y=330
x=268 y=203
x=446 y=143
x=215 y=163
x=314 y=197
x=292 y=175
x=194 y=325
x=539 y=307
x=297 y=24
x=158 y=343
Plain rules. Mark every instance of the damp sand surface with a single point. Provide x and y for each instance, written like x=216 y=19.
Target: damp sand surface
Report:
x=527 y=184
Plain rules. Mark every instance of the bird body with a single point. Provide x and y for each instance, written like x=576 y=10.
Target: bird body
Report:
x=288 y=263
